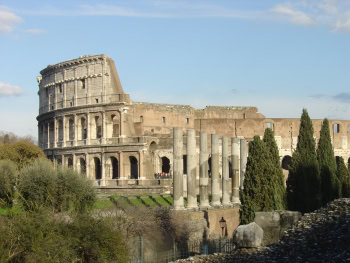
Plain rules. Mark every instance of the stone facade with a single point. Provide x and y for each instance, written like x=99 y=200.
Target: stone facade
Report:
x=86 y=121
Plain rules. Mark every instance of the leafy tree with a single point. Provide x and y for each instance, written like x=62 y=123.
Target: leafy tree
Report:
x=8 y=174
x=330 y=185
x=277 y=178
x=257 y=194
x=304 y=182
x=344 y=177
x=40 y=185
x=21 y=153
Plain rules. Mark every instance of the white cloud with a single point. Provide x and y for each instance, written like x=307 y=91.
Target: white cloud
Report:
x=293 y=15
x=8 y=20
x=35 y=31
x=7 y=89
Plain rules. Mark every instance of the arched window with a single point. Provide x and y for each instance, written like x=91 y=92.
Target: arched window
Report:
x=70 y=162
x=97 y=164
x=83 y=129
x=60 y=130
x=115 y=168
x=82 y=165
x=286 y=162
x=134 y=169
x=98 y=127
x=165 y=165
x=336 y=127
x=71 y=129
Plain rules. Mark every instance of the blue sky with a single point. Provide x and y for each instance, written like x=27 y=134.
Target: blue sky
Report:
x=279 y=56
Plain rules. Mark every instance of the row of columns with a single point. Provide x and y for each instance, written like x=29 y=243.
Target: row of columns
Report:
x=238 y=149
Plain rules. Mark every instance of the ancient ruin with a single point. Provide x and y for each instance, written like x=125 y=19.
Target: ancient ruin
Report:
x=87 y=122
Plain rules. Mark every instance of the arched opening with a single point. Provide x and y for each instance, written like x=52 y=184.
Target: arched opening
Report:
x=165 y=165
x=209 y=167
x=52 y=132
x=185 y=164
x=83 y=129
x=60 y=130
x=97 y=164
x=70 y=162
x=134 y=170
x=98 y=127
x=82 y=164
x=336 y=127
x=71 y=129
x=286 y=162
x=115 y=168
x=116 y=125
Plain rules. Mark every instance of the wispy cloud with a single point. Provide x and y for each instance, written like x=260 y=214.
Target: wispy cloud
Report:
x=8 y=20
x=7 y=89
x=342 y=97
x=292 y=15
x=35 y=31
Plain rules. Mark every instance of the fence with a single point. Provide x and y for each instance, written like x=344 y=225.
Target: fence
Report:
x=181 y=250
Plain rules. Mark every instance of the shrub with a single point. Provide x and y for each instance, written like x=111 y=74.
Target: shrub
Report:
x=61 y=190
x=344 y=177
x=7 y=183
x=22 y=153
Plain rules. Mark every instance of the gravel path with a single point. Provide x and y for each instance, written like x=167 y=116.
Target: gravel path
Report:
x=321 y=236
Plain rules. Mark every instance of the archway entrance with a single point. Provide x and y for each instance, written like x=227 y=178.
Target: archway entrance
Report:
x=134 y=169
x=165 y=165
x=97 y=163
x=286 y=162
x=115 y=168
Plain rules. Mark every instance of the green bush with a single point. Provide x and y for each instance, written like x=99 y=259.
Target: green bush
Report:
x=7 y=183
x=43 y=237
x=40 y=185
x=22 y=153
x=344 y=177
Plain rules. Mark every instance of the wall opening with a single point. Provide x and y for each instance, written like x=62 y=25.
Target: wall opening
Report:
x=60 y=130
x=209 y=167
x=115 y=168
x=163 y=119
x=286 y=162
x=229 y=169
x=134 y=169
x=187 y=120
x=184 y=158
x=71 y=129
x=336 y=127
x=82 y=165
x=165 y=165
x=98 y=127
x=98 y=172
x=70 y=162
x=269 y=125
x=83 y=131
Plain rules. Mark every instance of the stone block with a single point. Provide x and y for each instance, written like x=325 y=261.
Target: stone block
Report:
x=270 y=223
x=288 y=220
x=248 y=236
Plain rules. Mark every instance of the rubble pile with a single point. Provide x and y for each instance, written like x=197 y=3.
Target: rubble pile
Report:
x=321 y=236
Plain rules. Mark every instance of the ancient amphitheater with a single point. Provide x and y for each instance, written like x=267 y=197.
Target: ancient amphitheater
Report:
x=86 y=121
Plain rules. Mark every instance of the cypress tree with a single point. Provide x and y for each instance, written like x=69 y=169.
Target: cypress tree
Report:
x=278 y=190
x=330 y=186
x=344 y=177
x=256 y=195
x=304 y=183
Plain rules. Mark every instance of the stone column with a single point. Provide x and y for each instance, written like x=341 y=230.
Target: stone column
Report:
x=121 y=165
x=215 y=178
x=191 y=169
x=178 y=170
x=141 y=174
x=203 y=171
x=87 y=166
x=225 y=173
x=88 y=129
x=243 y=160
x=75 y=130
x=235 y=170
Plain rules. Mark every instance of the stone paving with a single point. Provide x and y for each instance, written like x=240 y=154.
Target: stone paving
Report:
x=321 y=236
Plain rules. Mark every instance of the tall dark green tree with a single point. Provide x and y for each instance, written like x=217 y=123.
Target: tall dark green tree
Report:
x=330 y=185
x=344 y=177
x=277 y=187
x=256 y=195
x=304 y=182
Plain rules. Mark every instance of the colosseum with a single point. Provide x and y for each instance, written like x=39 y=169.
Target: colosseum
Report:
x=87 y=122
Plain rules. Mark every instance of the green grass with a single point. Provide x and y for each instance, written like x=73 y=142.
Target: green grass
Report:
x=103 y=204
x=160 y=200
x=16 y=209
